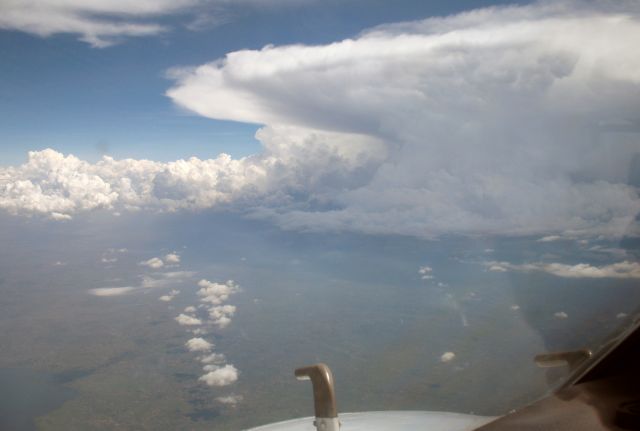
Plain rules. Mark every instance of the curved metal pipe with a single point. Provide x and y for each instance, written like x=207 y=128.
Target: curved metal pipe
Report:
x=324 y=397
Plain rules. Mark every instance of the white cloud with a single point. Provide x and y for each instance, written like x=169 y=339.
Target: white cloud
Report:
x=59 y=216
x=497 y=267
x=213 y=358
x=484 y=118
x=488 y=122
x=447 y=357
x=550 y=238
x=426 y=272
x=104 y=22
x=111 y=291
x=172 y=258
x=110 y=255
x=515 y=307
x=169 y=297
x=190 y=309
x=222 y=376
x=198 y=344
x=165 y=279
x=230 y=399
x=185 y=320
x=216 y=293
x=221 y=315
x=561 y=315
x=621 y=315
x=154 y=262
x=176 y=275
x=621 y=270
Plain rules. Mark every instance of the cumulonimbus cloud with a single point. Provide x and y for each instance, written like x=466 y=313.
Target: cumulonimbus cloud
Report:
x=495 y=121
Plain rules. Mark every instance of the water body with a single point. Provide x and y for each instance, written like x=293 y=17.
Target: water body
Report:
x=26 y=395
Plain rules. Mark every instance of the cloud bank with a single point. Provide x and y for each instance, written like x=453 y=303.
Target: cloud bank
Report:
x=495 y=121
x=619 y=270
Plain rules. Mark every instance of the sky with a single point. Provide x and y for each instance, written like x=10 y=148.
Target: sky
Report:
x=414 y=119
x=107 y=96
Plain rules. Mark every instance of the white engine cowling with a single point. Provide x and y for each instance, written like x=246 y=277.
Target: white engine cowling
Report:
x=389 y=421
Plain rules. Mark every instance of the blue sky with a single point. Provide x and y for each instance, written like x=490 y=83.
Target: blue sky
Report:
x=58 y=92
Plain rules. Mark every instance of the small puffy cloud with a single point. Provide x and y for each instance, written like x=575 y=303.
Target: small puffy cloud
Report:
x=172 y=258
x=111 y=291
x=220 y=315
x=550 y=238
x=426 y=272
x=515 y=307
x=216 y=293
x=222 y=322
x=154 y=262
x=231 y=400
x=198 y=344
x=621 y=316
x=213 y=358
x=169 y=297
x=621 y=270
x=190 y=309
x=447 y=357
x=221 y=376
x=110 y=255
x=560 y=315
x=497 y=267
x=186 y=320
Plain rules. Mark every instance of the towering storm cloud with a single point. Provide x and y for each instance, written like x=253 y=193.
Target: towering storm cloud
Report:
x=517 y=120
